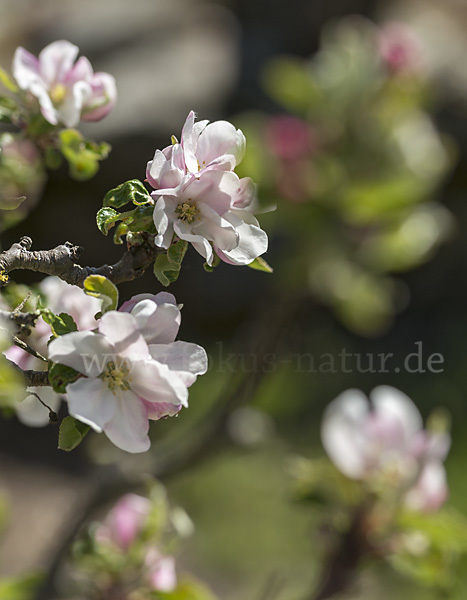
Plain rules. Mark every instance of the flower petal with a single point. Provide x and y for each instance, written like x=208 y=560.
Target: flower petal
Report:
x=92 y=402
x=153 y=382
x=31 y=412
x=158 y=323
x=83 y=351
x=188 y=360
x=56 y=60
x=200 y=244
x=217 y=139
x=391 y=403
x=128 y=428
x=121 y=330
x=25 y=68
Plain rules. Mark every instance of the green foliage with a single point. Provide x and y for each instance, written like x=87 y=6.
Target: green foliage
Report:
x=83 y=155
x=130 y=191
x=71 y=434
x=431 y=546
x=136 y=220
x=187 y=589
x=20 y=588
x=167 y=266
x=7 y=81
x=60 y=324
x=8 y=109
x=60 y=376
x=102 y=288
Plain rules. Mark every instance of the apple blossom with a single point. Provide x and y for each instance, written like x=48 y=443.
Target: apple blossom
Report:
x=67 y=91
x=382 y=441
x=400 y=48
x=124 y=522
x=160 y=571
x=124 y=385
x=201 y=200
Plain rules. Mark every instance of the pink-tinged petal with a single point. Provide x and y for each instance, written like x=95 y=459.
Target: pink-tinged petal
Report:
x=252 y=240
x=341 y=432
x=82 y=71
x=166 y=170
x=19 y=356
x=56 y=60
x=216 y=188
x=125 y=521
x=160 y=298
x=91 y=402
x=215 y=229
x=83 y=351
x=164 y=216
x=392 y=404
x=128 y=428
x=190 y=134
x=25 y=68
x=245 y=194
x=120 y=330
x=63 y=297
x=31 y=412
x=430 y=491
x=153 y=382
x=103 y=97
x=161 y=571
x=48 y=110
x=188 y=360
x=200 y=244
x=161 y=410
x=217 y=139
x=159 y=323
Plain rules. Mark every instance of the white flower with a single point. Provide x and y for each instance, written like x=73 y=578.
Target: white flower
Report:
x=382 y=440
x=67 y=91
x=200 y=199
x=124 y=385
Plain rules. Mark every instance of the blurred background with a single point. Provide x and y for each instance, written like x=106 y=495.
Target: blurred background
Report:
x=357 y=131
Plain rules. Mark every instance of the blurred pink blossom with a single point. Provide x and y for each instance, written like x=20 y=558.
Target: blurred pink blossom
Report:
x=400 y=48
x=383 y=441
x=124 y=522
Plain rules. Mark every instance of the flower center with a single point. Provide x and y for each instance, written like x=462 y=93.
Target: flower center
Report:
x=187 y=211
x=116 y=377
x=58 y=93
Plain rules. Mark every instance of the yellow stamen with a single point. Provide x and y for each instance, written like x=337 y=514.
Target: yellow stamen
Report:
x=116 y=377
x=187 y=211
x=58 y=93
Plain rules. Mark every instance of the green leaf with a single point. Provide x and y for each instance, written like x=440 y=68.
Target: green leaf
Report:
x=106 y=219
x=167 y=266
x=71 y=434
x=130 y=191
x=60 y=376
x=82 y=155
x=7 y=81
x=8 y=108
x=122 y=229
x=100 y=287
x=259 y=264
x=60 y=324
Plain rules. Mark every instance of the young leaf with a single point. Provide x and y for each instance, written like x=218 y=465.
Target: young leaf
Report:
x=130 y=191
x=167 y=266
x=71 y=434
x=259 y=264
x=106 y=219
x=82 y=155
x=100 y=287
x=60 y=376
x=60 y=324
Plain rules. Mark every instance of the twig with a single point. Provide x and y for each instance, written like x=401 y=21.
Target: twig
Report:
x=22 y=321
x=32 y=378
x=60 y=261
x=53 y=417
x=27 y=348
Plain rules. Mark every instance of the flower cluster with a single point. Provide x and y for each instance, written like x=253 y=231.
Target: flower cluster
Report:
x=383 y=443
x=67 y=91
x=123 y=526
x=200 y=198
x=133 y=369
